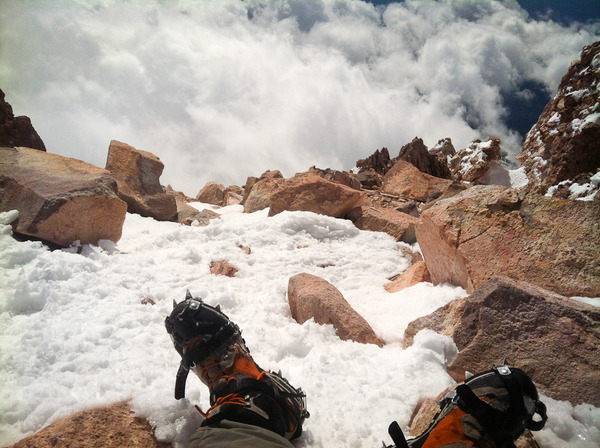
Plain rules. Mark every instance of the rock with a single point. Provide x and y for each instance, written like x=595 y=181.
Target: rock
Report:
x=564 y=141
x=339 y=177
x=60 y=200
x=556 y=340
x=311 y=297
x=379 y=162
x=416 y=153
x=417 y=273
x=369 y=179
x=443 y=150
x=110 y=426
x=378 y=219
x=223 y=267
x=405 y=180
x=492 y=230
x=212 y=193
x=452 y=190
x=250 y=182
x=233 y=195
x=474 y=162
x=17 y=131
x=314 y=194
x=186 y=214
x=137 y=174
x=259 y=197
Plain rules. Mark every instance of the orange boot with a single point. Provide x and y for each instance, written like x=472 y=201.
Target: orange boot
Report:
x=490 y=410
x=213 y=348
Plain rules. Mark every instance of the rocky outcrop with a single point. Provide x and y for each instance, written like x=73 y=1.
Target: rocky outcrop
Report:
x=556 y=340
x=311 y=297
x=417 y=273
x=563 y=144
x=417 y=153
x=17 y=131
x=378 y=162
x=491 y=230
x=60 y=200
x=212 y=193
x=378 y=219
x=137 y=174
x=312 y=193
x=474 y=162
x=406 y=181
x=443 y=150
x=106 y=427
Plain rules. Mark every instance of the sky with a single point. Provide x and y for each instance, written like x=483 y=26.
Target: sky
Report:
x=225 y=89
x=79 y=329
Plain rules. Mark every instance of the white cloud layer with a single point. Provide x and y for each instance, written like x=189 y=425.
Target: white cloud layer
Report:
x=222 y=90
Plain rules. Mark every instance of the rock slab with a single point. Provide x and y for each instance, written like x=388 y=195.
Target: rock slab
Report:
x=311 y=297
x=60 y=200
x=556 y=340
x=487 y=231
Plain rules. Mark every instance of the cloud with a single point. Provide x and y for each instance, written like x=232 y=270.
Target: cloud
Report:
x=221 y=90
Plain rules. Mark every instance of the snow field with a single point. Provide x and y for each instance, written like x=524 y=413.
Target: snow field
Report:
x=76 y=333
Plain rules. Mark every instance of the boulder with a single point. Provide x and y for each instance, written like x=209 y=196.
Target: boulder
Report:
x=309 y=192
x=60 y=200
x=378 y=219
x=233 y=195
x=417 y=153
x=311 y=297
x=260 y=194
x=556 y=340
x=212 y=193
x=417 y=273
x=475 y=161
x=110 y=426
x=492 y=230
x=564 y=142
x=369 y=179
x=405 y=180
x=223 y=267
x=137 y=174
x=17 y=131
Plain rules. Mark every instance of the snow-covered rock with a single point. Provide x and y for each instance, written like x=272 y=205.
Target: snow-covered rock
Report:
x=565 y=142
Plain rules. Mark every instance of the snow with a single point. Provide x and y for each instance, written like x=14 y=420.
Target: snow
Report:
x=554 y=118
x=518 y=178
x=76 y=333
x=579 y=192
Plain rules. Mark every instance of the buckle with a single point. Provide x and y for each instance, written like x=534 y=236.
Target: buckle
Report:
x=502 y=369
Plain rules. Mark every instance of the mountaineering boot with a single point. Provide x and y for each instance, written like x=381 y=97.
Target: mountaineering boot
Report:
x=489 y=410
x=212 y=347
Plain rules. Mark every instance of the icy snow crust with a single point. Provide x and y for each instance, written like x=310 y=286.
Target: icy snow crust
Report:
x=75 y=333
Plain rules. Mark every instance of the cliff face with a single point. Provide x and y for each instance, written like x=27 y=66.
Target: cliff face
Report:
x=17 y=131
x=564 y=145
